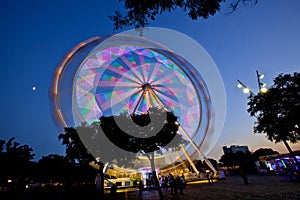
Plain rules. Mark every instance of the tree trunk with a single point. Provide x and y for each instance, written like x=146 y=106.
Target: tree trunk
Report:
x=101 y=191
x=160 y=193
x=290 y=151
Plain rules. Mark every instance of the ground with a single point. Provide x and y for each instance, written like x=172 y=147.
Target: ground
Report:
x=259 y=187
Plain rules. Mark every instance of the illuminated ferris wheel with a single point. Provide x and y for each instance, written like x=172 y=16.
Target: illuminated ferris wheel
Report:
x=129 y=74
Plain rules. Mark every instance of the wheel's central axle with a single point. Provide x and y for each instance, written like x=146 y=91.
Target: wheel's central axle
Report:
x=146 y=87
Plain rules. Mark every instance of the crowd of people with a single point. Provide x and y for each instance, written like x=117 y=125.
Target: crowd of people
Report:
x=176 y=184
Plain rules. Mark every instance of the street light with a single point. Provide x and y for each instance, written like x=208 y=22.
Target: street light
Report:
x=246 y=89
x=261 y=86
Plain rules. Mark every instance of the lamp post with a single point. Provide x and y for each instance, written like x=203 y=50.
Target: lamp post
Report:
x=261 y=86
x=246 y=89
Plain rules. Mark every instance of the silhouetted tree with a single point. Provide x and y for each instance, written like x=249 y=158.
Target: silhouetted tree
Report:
x=108 y=141
x=277 y=111
x=139 y=12
x=263 y=152
x=200 y=165
x=240 y=159
x=54 y=168
x=76 y=151
x=15 y=161
x=159 y=125
x=229 y=160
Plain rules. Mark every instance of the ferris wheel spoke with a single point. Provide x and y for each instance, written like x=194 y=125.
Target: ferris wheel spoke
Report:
x=154 y=72
x=144 y=71
x=117 y=84
x=148 y=99
x=142 y=62
x=170 y=100
x=138 y=100
x=155 y=100
x=123 y=74
x=177 y=89
x=117 y=99
x=165 y=78
x=132 y=68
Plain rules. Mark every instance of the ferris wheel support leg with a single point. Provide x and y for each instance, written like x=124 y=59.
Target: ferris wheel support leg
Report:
x=189 y=159
x=197 y=149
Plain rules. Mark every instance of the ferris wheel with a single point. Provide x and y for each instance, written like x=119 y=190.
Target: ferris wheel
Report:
x=128 y=73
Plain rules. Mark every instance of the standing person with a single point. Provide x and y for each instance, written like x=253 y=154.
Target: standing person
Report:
x=176 y=184
x=180 y=184
x=208 y=177
x=166 y=182
x=171 y=182
x=113 y=190
x=98 y=183
x=222 y=175
x=182 y=180
x=211 y=177
x=141 y=188
x=243 y=174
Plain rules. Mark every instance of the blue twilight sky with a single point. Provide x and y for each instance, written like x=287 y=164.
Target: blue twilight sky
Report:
x=35 y=36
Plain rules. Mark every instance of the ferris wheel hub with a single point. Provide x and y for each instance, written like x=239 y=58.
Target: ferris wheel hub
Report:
x=146 y=87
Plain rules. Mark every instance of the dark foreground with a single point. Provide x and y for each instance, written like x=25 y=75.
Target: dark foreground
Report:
x=259 y=187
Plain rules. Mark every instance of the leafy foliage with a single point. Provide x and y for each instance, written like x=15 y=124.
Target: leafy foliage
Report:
x=200 y=165
x=158 y=139
x=159 y=125
x=263 y=152
x=54 y=168
x=241 y=159
x=15 y=159
x=106 y=139
x=277 y=112
x=139 y=12
x=76 y=152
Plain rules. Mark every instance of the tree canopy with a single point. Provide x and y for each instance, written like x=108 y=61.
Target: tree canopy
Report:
x=277 y=111
x=263 y=152
x=15 y=159
x=155 y=131
x=135 y=134
x=139 y=12
x=121 y=138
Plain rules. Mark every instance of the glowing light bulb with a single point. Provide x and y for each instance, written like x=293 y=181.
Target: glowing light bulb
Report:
x=261 y=76
x=263 y=90
x=246 y=90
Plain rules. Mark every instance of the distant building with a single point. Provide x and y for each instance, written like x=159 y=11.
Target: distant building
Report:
x=234 y=149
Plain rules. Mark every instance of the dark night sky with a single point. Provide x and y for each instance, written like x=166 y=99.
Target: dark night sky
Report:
x=35 y=36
